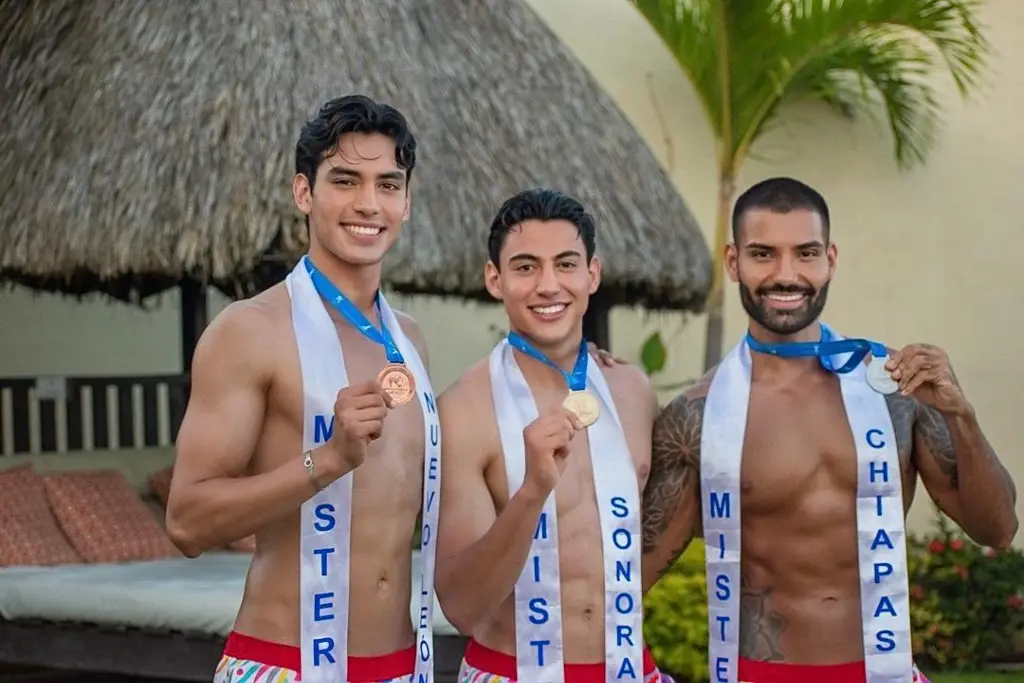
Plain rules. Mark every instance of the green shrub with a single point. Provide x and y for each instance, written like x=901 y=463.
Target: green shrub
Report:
x=966 y=604
x=965 y=600
x=676 y=618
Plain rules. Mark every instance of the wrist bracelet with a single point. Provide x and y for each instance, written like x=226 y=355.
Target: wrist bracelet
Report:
x=307 y=462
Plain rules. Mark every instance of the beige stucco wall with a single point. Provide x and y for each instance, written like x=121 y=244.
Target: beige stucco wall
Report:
x=929 y=255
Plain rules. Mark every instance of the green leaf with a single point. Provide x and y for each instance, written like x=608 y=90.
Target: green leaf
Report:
x=652 y=354
x=749 y=59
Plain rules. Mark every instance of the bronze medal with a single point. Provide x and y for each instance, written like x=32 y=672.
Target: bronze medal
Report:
x=397 y=382
x=584 y=406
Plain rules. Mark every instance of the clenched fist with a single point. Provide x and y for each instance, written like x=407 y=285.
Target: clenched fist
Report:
x=359 y=413
x=547 y=446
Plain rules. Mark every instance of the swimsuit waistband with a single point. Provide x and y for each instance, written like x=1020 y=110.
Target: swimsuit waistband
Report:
x=504 y=665
x=751 y=671
x=360 y=669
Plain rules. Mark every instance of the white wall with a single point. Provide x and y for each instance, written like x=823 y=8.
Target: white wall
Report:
x=929 y=255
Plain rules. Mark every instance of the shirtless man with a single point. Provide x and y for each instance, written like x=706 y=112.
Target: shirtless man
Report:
x=545 y=585
x=286 y=401
x=807 y=577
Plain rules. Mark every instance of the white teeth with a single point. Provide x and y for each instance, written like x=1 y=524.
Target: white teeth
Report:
x=365 y=231
x=785 y=297
x=549 y=310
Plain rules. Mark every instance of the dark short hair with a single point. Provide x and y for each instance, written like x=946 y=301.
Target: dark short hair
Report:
x=539 y=204
x=320 y=135
x=780 y=195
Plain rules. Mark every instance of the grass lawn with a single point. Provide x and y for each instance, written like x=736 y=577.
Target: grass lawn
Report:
x=987 y=677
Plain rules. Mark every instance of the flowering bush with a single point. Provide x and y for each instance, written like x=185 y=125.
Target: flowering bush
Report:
x=966 y=601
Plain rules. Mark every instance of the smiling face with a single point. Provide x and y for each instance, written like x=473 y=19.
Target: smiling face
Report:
x=783 y=264
x=359 y=200
x=544 y=280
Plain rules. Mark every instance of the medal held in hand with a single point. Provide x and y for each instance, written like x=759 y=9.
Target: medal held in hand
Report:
x=397 y=382
x=583 y=405
x=579 y=402
x=879 y=378
x=394 y=379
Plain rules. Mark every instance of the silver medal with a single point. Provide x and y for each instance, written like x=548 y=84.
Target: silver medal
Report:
x=879 y=378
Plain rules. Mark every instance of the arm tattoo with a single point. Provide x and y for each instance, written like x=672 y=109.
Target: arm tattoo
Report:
x=934 y=432
x=675 y=458
x=760 y=627
x=903 y=412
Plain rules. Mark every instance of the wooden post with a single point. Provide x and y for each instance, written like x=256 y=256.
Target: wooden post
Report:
x=595 y=321
x=193 y=319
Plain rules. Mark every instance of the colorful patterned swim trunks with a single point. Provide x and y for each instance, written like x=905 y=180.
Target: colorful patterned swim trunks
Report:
x=250 y=660
x=484 y=665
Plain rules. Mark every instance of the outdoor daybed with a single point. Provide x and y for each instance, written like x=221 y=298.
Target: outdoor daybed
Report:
x=90 y=582
x=161 y=618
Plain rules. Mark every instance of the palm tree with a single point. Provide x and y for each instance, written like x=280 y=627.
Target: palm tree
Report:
x=749 y=59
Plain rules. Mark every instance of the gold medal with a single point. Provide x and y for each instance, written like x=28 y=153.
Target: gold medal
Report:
x=583 y=405
x=397 y=382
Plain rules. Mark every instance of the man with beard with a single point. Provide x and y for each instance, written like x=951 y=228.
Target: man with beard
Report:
x=797 y=458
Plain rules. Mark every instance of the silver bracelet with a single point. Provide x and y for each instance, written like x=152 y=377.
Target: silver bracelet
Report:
x=307 y=462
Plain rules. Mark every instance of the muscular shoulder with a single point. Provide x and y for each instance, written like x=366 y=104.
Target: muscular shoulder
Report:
x=412 y=330
x=248 y=333
x=677 y=429
x=467 y=412
x=627 y=377
x=630 y=385
x=471 y=390
x=688 y=404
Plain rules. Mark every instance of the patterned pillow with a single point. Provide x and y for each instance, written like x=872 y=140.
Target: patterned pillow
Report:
x=160 y=484
x=105 y=519
x=29 y=533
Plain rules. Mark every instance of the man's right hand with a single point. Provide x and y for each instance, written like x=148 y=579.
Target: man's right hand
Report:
x=547 y=447
x=359 y=413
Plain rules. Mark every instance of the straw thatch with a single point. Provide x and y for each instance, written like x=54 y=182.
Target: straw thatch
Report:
x=143 y=142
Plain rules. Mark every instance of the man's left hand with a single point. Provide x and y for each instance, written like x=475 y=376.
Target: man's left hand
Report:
x=924 y=372
x=605 y=358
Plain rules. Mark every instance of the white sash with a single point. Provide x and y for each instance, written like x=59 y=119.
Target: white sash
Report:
x=539 y=649
x=882 y=552
x=327 y=516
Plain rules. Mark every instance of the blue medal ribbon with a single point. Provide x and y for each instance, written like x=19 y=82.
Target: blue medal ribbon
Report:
x=824 y=350
x=577 y=379
x=352 y=314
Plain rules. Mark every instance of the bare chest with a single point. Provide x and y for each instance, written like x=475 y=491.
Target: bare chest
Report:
x=575 y=494
x=799 y=444
x=394 y=462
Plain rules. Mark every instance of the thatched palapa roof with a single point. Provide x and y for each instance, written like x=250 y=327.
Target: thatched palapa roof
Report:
x=143 y=142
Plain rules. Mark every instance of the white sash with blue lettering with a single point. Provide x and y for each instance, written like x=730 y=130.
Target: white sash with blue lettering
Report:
x=539 y=649
x=882 y=549
x=327 y=517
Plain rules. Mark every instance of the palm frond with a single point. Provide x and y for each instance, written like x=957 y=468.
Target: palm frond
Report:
x=688 y=29
x=851 y=54
x=890 y=74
